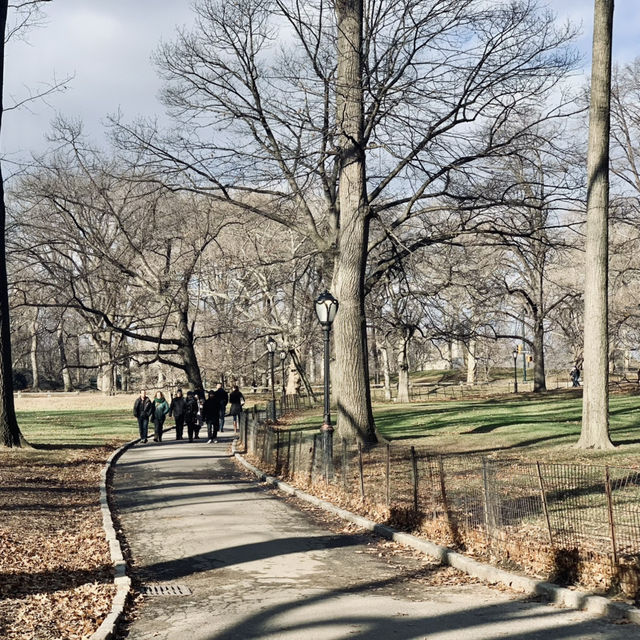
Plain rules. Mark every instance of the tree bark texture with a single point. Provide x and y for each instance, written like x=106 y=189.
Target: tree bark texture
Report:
x=64 y=364
x=355 y=417
x=386 y=371
x=11 y=436
x=35 y=375
x=403 y=368
x=539 y=375
x=595 y=405
x=472 y=363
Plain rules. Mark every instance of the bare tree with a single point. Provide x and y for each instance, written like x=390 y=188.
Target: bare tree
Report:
x=595 y=408
x=367 y=116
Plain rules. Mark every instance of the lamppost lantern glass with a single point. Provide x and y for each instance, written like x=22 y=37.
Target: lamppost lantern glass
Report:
x=283 y=355
x=271 y=345
x=515 y=354
x=326 y=308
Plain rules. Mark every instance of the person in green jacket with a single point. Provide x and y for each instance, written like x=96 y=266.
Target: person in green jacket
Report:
x=160 y=410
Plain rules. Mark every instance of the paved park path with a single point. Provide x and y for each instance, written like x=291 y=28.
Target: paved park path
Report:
x=257 y=567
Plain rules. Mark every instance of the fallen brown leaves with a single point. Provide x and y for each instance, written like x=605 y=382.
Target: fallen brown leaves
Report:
x=55 y=569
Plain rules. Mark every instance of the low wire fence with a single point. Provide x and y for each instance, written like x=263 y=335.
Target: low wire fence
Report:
x=568 y=523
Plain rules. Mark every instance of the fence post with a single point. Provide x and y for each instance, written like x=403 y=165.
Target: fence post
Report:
x=543 y=495
x=277 y=453
x=345 y=475
x=388 y=476
x=288 y=452
x=414 y=474
x=445 y=502
x=313 y=457
x=612 y=527
x=360 y=465
x=487 y=499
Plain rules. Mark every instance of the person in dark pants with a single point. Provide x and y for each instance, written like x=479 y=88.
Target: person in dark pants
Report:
x=575 y=376
x=177 y=411
x=222 y=397
x=237 y=401
x=160 y=410
x=211 y=415
x=142 y=410
x=191 y=414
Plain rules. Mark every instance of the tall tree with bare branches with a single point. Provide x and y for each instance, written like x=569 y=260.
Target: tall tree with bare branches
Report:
x=595 y=406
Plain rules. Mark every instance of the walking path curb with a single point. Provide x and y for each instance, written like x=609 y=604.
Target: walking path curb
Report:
x=596 y=605
x=123 y=583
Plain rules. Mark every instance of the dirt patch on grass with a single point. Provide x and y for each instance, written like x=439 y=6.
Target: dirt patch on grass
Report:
x=55 y=568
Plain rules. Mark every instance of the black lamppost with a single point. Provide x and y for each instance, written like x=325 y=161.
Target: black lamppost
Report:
x=326 y=309
x=283 y=357
x=271 y=348
x=515 y=370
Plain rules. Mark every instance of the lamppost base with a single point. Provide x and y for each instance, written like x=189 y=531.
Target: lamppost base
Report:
x=327 y=447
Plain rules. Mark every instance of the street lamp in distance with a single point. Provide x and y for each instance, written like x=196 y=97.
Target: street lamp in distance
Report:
x=326 y=309
x=515 y=370
x=271 y=348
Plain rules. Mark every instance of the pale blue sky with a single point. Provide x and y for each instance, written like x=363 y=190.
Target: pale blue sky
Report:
x=107 y=45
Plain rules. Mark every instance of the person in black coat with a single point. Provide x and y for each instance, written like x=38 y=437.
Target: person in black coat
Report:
x=176 y=410
x=237 y=401
x=191 y=414
x=211 y=415
x=142 y=410
x=223 y=398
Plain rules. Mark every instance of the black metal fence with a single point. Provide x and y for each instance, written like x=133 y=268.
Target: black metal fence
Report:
x=570 y=523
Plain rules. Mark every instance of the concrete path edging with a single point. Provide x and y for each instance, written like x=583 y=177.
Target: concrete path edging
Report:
x=571 y=599
x=122 y=581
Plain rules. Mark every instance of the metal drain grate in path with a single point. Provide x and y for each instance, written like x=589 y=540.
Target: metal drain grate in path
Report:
x=166 y=590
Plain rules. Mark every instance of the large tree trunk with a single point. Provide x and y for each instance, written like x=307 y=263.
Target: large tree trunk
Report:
x=472 y=363
x=35 y=326
x=64 y=365
x=375 y=354
x=355 y=418
x=386 y=371
x=595 y=405
x=403 y=367
x=187 y=352
x=539 y=376
x=11 y=436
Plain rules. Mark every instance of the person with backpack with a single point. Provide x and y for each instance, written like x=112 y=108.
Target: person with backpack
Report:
x=160 y=411
x=191 y=414
x=177 y=411
x=142 y=410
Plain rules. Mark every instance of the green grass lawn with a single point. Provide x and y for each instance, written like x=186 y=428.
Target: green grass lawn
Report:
x=544 y=427
x=74 y=428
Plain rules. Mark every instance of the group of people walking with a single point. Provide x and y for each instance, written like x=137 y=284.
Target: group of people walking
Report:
x=192 y=411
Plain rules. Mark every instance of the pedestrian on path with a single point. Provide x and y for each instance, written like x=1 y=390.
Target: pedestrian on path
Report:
x=237 y=401
x=160 y=411
x=211 y=415
x=223 y=398
x=191 y=414
x=142 y=410
x=177 y=411
x=575 y=376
